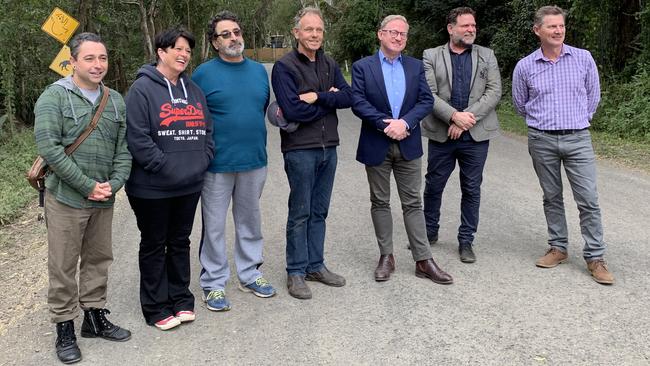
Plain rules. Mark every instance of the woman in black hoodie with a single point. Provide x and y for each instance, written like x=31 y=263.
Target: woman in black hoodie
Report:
x=169 y=134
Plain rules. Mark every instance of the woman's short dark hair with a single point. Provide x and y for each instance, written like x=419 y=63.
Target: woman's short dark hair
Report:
x=81 y=38
x=222 y=15
x=168 y=38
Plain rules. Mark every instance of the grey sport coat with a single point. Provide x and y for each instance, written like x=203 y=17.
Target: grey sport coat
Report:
x=485 y=93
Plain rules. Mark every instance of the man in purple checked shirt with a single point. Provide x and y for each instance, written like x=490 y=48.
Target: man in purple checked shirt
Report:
x=556 y=89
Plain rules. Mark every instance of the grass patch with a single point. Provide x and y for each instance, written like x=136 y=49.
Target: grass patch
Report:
x=347 y=75
x=17 y=152
x=633 y=154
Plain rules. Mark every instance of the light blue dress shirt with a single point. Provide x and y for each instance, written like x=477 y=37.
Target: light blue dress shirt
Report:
x=395 y=82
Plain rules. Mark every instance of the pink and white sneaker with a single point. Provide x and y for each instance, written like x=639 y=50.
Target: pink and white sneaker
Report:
x=168 y=323
x=185 y=316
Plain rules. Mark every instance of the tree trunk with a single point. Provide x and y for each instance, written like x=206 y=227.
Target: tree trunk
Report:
x=628 y=29
x=146 y=26
x=83 y=15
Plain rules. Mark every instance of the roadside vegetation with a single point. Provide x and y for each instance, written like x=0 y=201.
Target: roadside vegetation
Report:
x=17 y=152
x=616 y=32
x=632 y=153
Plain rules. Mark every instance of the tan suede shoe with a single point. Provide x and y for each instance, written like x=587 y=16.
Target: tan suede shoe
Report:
x=552 y=258
x=599 y=272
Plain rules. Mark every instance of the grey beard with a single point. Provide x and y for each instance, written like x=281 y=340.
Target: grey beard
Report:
x=461 y=43
x=235 y=50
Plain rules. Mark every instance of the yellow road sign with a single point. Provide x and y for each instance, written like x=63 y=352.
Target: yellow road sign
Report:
x=60 y=25
x=61 y=63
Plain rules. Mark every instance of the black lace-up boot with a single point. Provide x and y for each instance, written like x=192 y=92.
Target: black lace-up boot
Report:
x=96 y=325
x=66 y=343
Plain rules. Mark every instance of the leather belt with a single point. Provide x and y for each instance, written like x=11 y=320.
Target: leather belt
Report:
x=559 y=132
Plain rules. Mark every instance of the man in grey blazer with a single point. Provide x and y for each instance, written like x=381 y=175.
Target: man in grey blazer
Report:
x=465 y=82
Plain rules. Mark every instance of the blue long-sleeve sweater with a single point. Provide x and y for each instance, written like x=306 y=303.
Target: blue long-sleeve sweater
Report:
x=237 y=94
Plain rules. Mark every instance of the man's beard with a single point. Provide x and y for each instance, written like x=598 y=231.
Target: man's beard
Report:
x=460 y=42
x=234 y=50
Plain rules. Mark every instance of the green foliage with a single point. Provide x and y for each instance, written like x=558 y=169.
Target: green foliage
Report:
x=26 y=54
x=625 y=108
x=515 y=39
x=355 y=31
x=16 y=156
x=509 y=120
x=280 y=20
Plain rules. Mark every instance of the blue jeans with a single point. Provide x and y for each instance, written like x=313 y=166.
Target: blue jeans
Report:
x=311 y=176
x=441 y=161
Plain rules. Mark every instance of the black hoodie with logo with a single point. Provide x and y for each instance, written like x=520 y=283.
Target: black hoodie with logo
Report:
x=169 y=134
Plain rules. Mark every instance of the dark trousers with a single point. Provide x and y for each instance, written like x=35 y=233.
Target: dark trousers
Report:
x=164 y=257
x=441 y=161
x=311 y=177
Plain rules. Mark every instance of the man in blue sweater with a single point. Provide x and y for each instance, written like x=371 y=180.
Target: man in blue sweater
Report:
x=237 y=93
x=309 y=88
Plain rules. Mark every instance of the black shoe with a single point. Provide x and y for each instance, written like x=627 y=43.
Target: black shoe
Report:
x=66 y=343
x=466 y=254
x=96 y=325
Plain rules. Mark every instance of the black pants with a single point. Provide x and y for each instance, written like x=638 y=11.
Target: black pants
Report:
x=164 y=257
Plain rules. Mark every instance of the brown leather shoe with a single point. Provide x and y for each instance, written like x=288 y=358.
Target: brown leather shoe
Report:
x=599 y=272
x=552 y=258
x=298 y=287
x=385 y=267
x=429 y=269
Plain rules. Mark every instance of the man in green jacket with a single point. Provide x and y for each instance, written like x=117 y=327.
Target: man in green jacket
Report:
x=80 y=192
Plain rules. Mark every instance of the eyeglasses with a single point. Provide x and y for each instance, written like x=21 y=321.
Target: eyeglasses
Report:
x=228 y=34
x=393 y=33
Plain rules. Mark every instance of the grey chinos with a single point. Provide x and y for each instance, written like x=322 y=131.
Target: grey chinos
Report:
x=575 y=151
x=408 y=176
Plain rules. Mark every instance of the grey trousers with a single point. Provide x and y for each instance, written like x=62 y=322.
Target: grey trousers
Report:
x=245 y=188
x=409 y=181
x=76 y=236
x=575 y=152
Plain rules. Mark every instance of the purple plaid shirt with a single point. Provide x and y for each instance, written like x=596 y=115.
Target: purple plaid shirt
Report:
x=556 y=95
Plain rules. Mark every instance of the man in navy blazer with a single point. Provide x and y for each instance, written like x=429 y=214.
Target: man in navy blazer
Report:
x=391 y=96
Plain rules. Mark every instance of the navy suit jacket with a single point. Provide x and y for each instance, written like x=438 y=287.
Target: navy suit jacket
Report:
x=370 y=103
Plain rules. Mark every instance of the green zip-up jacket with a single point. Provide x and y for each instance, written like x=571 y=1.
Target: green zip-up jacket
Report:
x=62 y=114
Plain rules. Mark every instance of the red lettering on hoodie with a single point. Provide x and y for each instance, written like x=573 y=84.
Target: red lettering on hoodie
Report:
x=171 y=114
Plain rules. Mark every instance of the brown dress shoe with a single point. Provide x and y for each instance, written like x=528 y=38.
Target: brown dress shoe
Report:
x=552 y=258
x=385 y=267
x=429 y=269
x=599 y=272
